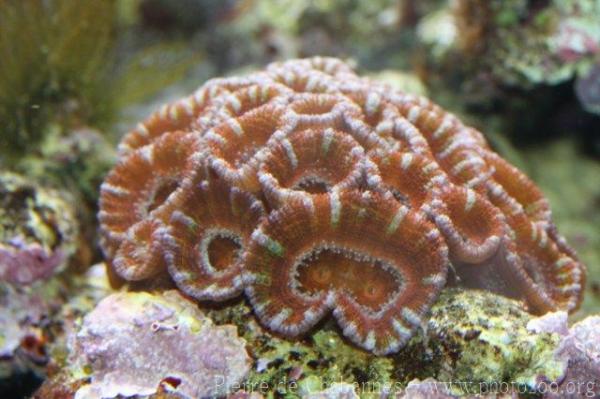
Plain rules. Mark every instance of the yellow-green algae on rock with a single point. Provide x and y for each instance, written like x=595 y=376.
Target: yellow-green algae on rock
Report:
x=481 y=341
x=475 y=341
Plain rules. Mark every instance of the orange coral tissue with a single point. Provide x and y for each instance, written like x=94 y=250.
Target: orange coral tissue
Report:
x=314 y=192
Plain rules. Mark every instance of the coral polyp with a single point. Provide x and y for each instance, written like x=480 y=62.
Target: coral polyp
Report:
x=315 y=192
x=132 y=197
x=353 y=253
x=322 y=161
x=207 y=235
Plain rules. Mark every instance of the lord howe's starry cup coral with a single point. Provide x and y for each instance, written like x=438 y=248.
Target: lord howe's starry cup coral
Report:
x=313 y=191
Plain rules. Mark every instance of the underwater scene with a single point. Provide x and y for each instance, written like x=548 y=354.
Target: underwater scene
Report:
x=264 y=199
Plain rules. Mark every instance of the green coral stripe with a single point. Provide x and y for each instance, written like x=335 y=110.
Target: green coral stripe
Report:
x=273 y=246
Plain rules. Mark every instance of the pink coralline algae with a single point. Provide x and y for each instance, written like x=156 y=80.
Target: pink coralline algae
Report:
x=132 y=344
x=582 y=349
x=314 y=192
x=579 y=349
x=23 y=263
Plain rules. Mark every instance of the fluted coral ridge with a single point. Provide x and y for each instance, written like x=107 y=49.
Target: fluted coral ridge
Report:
x=314 y=192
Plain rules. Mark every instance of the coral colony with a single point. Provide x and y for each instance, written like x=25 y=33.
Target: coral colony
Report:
x=313 y=191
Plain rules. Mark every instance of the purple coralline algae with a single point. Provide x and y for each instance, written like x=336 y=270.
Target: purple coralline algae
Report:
x=38 y=230
x=136 y=343
x=23 y=263
x=553 y=322
x=579 y=349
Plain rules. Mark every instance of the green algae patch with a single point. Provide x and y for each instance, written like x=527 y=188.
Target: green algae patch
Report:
x=481 y=340
x=474 y=342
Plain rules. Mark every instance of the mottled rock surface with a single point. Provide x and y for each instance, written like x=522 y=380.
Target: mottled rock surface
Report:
x=472 y=336
x=580 y=349
x=24 y=311
x=38 y=230
x=134 y=343
x=482 y=339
